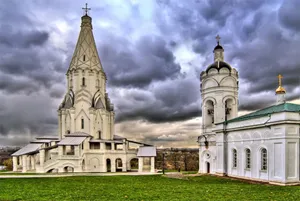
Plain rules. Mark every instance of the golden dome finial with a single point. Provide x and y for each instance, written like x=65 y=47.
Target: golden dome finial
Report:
x=280 y=89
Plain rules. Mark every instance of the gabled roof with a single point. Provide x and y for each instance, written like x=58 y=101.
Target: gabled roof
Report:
x=146 y=151
x=284 y=107
x=71 y=141
x=30 y=148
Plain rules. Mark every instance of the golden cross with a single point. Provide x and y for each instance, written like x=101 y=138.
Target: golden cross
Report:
x=86 y=9
x=279 y=79
x=218 y=38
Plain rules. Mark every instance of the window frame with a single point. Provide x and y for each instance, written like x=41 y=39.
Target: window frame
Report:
x=234 y=158
x=264 y=159
x=247 y=159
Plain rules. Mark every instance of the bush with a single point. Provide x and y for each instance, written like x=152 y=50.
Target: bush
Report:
x=8 y=163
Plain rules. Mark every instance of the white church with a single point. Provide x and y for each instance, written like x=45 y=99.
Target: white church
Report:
x=262 y=145
x=86 y=140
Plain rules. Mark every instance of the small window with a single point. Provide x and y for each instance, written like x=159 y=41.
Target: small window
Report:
x=248 y=158
x=264 y=159
x=82 y=123
x=83 y=57
x=234 y=158
x=83 y=81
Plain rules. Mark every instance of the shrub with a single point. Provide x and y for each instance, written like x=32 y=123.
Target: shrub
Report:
x=8 y=163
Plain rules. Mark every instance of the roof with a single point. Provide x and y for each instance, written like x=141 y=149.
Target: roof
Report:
x=284 y=107
x=218 y=47
x=117 y=137
x=78 y=134
x=47 y=137
x=218 y=65
x=146 y=151
x=41 y=141
x=30 y=148
x=71 y=141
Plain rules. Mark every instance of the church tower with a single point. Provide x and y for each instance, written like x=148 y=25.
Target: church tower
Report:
x=219 y=91
x=86 y=106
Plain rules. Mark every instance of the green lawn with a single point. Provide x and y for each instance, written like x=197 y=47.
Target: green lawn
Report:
x=141 y=188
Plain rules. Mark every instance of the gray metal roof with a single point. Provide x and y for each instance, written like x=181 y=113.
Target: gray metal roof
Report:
x=71 y=141
x=117 y=137
x=78 y=134
x=146 y=151
x=41 y=141
x=47 y=138
x=27 y=149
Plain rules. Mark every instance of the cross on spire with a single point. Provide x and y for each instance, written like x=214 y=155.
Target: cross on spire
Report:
x=86 y=9
x=218 y=39
x=279 y=79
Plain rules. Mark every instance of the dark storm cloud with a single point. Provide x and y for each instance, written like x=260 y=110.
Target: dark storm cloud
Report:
x=148 y=60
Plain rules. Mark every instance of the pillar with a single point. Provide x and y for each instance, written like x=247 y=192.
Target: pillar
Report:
x=24 y=166
x=32 y=162
x=76 y=150
x=72 y=113
x=60 y=150
x=28 y=163
x=113 y=165
x=113 y=146
x=15 y=163
x=102 y=145
x=59 y=124
x=92 y=112
x=63 y=123
x=42 y=157
x=141 y=164
x=152 y=164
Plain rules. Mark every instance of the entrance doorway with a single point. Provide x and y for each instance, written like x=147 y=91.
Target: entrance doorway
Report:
x=207 y=167
x=108 y=165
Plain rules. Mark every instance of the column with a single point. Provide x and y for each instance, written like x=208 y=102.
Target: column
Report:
x=124 y=164
x=141 y=164
x=42 y=158
x=63 y=123
x=152 y=164
x=72 y=113
x=76 y=150
x=28 y=163
x=59 y=124
x=113 y=146
x=15 y=163
x=24 y=167
x=113 y=165
x=102 y=145
x=60 y=150
x=32 y=162
x=92 y=112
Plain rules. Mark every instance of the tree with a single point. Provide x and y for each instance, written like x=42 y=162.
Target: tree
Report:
x=8 y=163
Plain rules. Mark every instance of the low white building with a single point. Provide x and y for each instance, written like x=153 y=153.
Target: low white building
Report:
x=262 y=145
x=86 y=140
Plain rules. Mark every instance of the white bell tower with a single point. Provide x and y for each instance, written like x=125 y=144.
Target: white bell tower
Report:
x=219 y=91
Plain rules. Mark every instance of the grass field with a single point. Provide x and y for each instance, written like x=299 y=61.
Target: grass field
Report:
x=141 y=188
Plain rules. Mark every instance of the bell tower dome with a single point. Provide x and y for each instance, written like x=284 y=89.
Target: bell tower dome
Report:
x=219 y=91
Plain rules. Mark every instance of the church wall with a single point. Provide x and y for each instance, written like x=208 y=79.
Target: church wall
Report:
x=282 y=151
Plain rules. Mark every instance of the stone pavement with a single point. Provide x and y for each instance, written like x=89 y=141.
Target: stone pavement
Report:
x=9 y=175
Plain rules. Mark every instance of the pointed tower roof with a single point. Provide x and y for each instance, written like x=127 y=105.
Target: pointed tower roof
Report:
x=86 y=55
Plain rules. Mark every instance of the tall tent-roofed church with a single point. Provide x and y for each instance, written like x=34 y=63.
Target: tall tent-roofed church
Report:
x=86 y=139
x=262 y=145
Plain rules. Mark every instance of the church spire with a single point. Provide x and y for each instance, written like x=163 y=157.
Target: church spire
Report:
x=280 y=91
x=218 y=51
x=86 y=55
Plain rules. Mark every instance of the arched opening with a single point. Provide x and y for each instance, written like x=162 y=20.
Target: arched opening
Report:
x=263 y=159
x=134 y=164
x=82 y=123
x=228 y=109
x=83 y=81
x=119 y=165
x=83 y=165
x=108 y=165
x=207 y=167
x=68 y=169
x=209 y=109
x=99 y=134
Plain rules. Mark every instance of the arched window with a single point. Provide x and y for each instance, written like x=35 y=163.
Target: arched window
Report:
x=248 y=158
x=83 y=57
x=99 y=134
x=264 y=159
x=234 y=158
x=83 y=81
x=82 y=123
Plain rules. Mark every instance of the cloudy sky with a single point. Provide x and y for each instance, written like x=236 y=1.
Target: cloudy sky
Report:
x=153 y=53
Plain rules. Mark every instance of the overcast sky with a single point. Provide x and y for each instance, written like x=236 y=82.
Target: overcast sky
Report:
x=152 y=52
